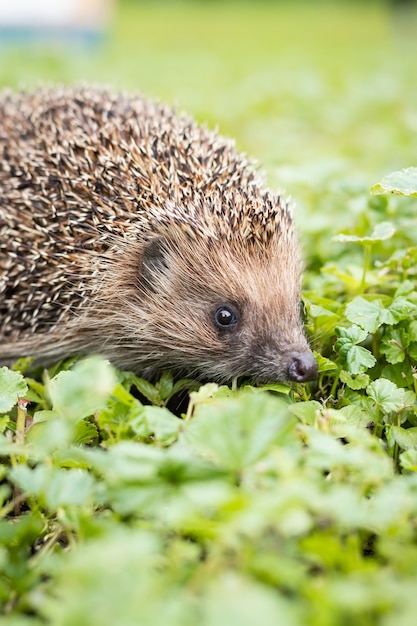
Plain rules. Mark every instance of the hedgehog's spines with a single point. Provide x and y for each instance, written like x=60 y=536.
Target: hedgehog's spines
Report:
x=85 y=176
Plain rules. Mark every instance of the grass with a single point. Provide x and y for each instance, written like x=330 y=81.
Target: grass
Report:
x=295 y=506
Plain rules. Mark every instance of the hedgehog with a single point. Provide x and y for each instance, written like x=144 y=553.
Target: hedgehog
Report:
x=131 y=231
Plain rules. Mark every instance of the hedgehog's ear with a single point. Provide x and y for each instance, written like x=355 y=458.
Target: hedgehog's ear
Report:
x=154 y=261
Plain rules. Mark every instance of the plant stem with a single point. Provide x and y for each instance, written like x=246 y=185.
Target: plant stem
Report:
x=334 y=386
x=366 y=265
x=20 y=424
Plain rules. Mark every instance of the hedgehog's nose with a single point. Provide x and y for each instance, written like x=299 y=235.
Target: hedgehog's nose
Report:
x=303 y=367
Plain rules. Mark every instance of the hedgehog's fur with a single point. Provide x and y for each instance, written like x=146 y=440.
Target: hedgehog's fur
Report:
x=123 y=227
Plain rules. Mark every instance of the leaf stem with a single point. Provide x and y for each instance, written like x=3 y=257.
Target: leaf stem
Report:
x=20 y=422
x=366 y=265
x=334 y=386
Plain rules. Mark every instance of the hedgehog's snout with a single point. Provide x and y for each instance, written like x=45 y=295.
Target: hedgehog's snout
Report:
x=302 y=367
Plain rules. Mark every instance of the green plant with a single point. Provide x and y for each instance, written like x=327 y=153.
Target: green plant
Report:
x=297 y=503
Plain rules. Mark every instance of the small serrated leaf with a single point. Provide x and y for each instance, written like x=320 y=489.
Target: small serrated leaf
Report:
x=367 y=314
x=401 y=308
x=355 y=382
x=358 y=359
x=352 y=334
x=386 y=395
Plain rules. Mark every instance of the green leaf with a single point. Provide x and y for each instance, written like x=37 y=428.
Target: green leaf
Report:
x=386 y=395
x=185 y=383
x=408 y=460
x=365 y=314
x=412 y=350
x=402 y=182
x=149 y=391
x=405 y=437
x=371 y=314
x=277 y=387
x=359 y=381
x=206 y=392
x=117 y=581
x=237 y=432
x=392 y=347
x=82 y=391
x=381 y=232
x=22 y=364
x=401 y=308
x=165 y=385
x=158 y=422
x=43 y=416
x=85 y=433
x=316 y=310
x=55 y=487
x=355 y=415
x=356 y=359
x=325 y=364
x=405 y=288
x=412 y=330
x=351 y=335
x=306 y=411
x=12 y=387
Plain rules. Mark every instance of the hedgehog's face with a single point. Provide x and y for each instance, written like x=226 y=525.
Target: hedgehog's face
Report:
x=257 y=316
x=262 y=353
x=227 y=310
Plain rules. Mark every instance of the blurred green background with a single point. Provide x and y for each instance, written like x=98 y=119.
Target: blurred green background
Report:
x=321 y=94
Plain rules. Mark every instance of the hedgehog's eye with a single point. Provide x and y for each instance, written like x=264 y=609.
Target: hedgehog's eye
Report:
x=225 y=316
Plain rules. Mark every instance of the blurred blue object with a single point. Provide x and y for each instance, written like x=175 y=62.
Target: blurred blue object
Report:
x=48 y=21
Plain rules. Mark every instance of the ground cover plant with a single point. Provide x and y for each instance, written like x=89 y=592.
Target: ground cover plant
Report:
x=286 y=505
